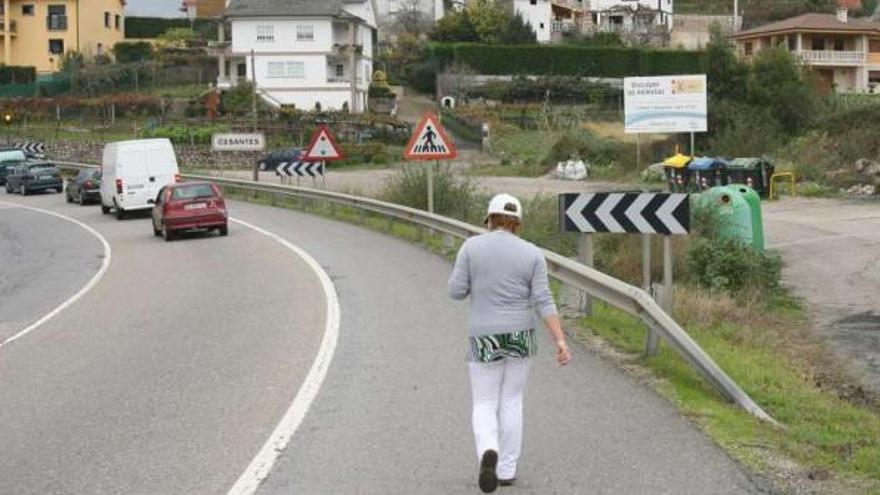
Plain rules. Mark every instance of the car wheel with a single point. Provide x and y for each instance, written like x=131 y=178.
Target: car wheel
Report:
x=105 y=209
x=120 y=213
x=168 y=235
x=23 y=190
x=59 y=190
x=156 y=232
x=8 y=189
x=224 y=230
x=82 y=198
x=67 y=196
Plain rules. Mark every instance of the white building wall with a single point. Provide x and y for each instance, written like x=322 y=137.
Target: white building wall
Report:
x=538 y=15
x=244 y=35
x=665 y=5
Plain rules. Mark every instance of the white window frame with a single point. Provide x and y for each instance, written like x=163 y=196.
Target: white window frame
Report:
x=286 y=70
x=265 y=33
x=305 y=32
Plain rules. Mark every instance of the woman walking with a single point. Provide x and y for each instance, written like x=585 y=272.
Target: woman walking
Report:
x=506 y=279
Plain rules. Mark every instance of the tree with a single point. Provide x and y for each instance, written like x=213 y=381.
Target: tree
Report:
x=455 y=27
x=177 y=37
x=488 y=18
x=725 y=74
x=517 y=32
x=779 y=84
x=410 y=18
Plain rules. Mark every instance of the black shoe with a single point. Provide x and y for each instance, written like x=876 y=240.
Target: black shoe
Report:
x=509 y=482
x=488 y=478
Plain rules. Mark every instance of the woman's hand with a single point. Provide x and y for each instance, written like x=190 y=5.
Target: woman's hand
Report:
x=563 y=353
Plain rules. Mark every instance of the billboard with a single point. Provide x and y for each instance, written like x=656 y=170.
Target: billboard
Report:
x=665 y=104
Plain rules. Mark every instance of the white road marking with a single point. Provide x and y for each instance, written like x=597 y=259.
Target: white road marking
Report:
x=105 y=264
x=261 y=465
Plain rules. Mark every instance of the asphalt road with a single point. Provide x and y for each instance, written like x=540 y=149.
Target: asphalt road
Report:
x=832 y=260
x=169 y=376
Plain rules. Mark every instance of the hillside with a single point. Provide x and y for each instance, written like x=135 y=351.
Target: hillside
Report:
x=756 y=12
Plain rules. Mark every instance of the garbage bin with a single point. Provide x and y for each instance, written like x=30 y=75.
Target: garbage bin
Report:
x=754 y=201
x=734 y=211
x=708 y=172
x=752 y=172
x=677 y=174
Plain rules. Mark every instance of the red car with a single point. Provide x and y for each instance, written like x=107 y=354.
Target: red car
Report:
x=187 y=206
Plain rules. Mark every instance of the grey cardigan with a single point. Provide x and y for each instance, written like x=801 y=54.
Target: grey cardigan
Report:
x=506 y=279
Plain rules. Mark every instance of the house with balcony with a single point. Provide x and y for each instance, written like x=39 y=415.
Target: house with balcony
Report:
x=631 y=16
x=308 y=54
x=843 y=51
x=39 y=33
x=204 y=9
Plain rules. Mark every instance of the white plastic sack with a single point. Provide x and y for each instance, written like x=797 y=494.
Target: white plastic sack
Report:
x=560 y=170
x=580 y=170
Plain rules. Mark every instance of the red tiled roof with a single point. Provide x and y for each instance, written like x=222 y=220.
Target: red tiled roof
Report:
x=850 y=4
x=812 y=22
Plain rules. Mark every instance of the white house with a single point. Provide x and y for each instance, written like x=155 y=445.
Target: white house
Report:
x=538 y=13
x=631 y=16
x=311 y=54
x=388 y=12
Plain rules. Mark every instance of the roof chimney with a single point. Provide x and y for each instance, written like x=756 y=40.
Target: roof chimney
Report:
x=842 y=14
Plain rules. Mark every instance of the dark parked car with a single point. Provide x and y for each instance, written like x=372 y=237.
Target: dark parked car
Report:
x=6 y=169
x=84 y=187
x=28 y=177
x=189 y=206
x=271 y=160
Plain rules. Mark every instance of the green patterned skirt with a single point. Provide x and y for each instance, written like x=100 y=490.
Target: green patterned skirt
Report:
x=491 y=348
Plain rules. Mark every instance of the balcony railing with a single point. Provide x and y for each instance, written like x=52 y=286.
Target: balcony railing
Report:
x=832 y=57
x=56 y=22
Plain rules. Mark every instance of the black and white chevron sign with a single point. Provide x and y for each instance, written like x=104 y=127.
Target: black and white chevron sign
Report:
x=634 y=213
x=302 y=169
x=31 y=148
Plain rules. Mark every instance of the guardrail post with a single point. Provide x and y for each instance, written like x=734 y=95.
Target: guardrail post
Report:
x=448 y=243
x=585 y=256
x=652 y=340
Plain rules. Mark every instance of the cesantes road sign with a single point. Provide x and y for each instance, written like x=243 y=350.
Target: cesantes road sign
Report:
x=430 y=141
x=255 y=141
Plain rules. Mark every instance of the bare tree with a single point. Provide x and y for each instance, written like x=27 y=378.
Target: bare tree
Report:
x=410 y=18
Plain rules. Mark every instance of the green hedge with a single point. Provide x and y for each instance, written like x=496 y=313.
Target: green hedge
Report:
x=128 y=52
x=568 y=60
x=14 y=74
x=153 y=27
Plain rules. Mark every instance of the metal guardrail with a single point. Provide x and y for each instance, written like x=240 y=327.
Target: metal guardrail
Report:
x=628 y=298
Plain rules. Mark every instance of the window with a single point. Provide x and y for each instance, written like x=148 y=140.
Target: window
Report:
x=100 y=49
x=118 y=21
x=874 y=77
x=748 y=49
x=533 y=2
x=107 y=20
x=874 y=46
x=26 y=9
x=305 y=32
x=56 y=47
x=542 y=25
x=340 y=70
x=818 y=44
x=266 y=33
x=286 y=70
x=839 y=45
x=57 y=18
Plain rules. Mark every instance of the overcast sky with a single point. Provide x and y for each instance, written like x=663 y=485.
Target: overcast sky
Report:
x=156 y=8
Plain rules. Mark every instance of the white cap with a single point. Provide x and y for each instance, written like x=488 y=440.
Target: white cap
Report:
x=504 y=204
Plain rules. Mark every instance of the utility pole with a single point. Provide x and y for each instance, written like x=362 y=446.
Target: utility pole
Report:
x=254 y=89
x=735 y=15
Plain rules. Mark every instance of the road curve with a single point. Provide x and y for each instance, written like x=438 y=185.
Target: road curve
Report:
x=393 y=415
x=169 y=375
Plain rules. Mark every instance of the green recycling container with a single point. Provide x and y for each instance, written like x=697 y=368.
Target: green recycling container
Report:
x=735 y=213
x=754 y=200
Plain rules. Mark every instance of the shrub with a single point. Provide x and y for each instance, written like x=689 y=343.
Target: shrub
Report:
x=153 y=27
x=583 y=144
x=454 y=195
x=184 y=134
x=358 y=154
x=730 y=266
x=238 y=100
x=737 y=129
x=128 y=52
x=567 y=60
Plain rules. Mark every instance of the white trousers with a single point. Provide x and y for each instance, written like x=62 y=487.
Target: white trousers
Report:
x=497 y=389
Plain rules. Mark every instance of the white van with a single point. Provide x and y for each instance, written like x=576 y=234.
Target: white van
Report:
x=134 y=172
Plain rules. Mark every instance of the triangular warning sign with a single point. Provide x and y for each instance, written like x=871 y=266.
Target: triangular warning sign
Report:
x=429 y=141
x=323 y=147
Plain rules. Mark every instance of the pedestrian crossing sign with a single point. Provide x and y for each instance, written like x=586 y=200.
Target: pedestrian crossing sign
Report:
x=430 y=141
